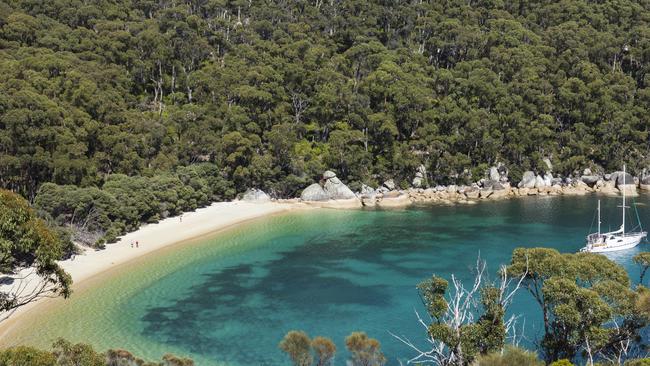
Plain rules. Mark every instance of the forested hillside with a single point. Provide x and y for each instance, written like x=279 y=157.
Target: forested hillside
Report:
x=272 y=93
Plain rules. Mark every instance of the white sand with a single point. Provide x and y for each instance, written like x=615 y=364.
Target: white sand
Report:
x=166 y=232
x=156 y=236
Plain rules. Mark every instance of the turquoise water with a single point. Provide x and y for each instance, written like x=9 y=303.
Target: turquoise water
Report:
x=230 y=299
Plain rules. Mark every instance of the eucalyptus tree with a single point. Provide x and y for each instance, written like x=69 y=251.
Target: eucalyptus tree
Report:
x=29 y=250
x=586 y=302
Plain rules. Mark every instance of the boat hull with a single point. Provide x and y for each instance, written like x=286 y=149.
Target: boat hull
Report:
x=616 y=243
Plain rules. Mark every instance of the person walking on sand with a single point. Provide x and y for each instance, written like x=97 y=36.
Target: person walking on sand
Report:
x=181 y=217
x=137 y=244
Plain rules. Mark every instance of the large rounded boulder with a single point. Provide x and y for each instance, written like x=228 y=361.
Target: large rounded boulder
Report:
x=528 y=180
x=314 y=193
x=336 y=190
x=255 y=195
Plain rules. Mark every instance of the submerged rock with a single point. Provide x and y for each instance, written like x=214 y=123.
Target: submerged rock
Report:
x=503 y=172
x=314 y=193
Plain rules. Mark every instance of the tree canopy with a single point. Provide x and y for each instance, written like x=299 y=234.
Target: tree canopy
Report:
x=274 y=92
x=26 y=241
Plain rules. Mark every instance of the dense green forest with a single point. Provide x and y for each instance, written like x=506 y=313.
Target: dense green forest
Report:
x=274 y=92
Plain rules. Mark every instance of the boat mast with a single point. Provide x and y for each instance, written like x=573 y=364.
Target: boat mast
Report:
x=623 y=226
x=598 y=217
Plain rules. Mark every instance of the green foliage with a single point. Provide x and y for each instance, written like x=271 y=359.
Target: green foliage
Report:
x=365 y=351
x=297 y=345
x=643 y=261
x=98 y=215
x=64 y=353
x=487 y=334
x=580 y=295
x=511 y=356
x=304 y=351
x=69 y=354
x=23 y=355
x=284 y=90
x=562 y=362
x=638 y=362
x=25 y=240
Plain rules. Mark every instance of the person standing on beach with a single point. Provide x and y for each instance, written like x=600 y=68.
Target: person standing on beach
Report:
x=137 y=244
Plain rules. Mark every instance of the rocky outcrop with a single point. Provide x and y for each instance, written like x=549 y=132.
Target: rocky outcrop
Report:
x=472 y=193
x=548 y=179
x=394 y=199
x=606 y=187
x=625 y=182
x=328 y=174
x=590 y=180
x=549 y=165
x=494 y=174
x=330 y=192
x=366 y=190
x=368 y=195
x=389 y=184
x=527 y=180
x=336 y=190
x=314 y=193
x=644 y=182
x=255 y=195
x=420 y=177
x=622 y=178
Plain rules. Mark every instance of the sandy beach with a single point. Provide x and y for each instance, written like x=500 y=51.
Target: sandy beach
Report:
x=152 y=237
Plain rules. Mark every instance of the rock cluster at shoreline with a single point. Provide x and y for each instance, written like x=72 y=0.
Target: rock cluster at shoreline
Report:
x=330 y=191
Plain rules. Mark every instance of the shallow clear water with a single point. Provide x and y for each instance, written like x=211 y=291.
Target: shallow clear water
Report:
x=231 y=298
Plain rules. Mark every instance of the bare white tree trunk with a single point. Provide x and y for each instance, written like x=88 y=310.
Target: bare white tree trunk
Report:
x=462 y=305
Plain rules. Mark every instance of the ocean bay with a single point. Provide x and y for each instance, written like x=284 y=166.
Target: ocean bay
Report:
x=230 y=298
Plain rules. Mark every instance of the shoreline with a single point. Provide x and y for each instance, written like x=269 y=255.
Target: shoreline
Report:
x=210 y=220
x=151 y=238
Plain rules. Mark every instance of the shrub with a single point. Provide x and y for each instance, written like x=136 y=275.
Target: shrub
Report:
x=510 y=356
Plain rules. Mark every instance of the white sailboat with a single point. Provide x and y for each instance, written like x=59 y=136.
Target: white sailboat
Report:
x=614 y=240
